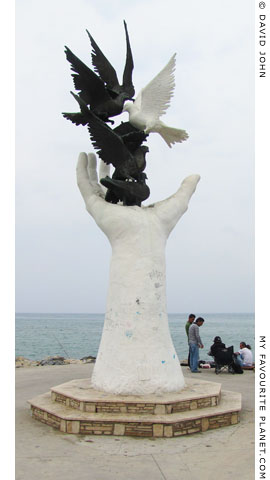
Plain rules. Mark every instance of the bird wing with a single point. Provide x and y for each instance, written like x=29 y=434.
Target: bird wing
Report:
x=91 y=87
x=103 y=67
x=127 y=75
x=82 y=104
x=78 y=118
x=110 y=146
x=154 y=99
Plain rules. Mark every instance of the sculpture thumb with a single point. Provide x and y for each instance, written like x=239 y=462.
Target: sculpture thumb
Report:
x=188 y=187
x=172 y=209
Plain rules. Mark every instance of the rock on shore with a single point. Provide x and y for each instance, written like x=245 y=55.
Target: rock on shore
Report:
x=52 y=360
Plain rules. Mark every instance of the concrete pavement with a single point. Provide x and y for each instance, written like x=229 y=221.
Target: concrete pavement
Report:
x=44 y=453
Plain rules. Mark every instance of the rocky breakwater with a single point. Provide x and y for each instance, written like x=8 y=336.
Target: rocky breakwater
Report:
x=52 y=360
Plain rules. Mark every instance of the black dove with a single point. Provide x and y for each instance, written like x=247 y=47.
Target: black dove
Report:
x=130 y=193
x=131 y=136
x=102 y=92
x=108 y=74
x=93 y=91
x=112 y=149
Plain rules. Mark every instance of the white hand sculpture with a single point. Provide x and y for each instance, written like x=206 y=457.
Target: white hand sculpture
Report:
x=136 y=354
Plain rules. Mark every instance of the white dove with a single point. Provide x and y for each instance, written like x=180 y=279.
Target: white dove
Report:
x=152 y=102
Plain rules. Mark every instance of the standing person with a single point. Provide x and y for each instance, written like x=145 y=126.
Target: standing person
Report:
x=195 y=343
x=244 y=355
x=191 y=319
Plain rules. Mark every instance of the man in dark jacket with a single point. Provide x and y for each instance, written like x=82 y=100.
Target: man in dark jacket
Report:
x=214 y=351
x=216 y=347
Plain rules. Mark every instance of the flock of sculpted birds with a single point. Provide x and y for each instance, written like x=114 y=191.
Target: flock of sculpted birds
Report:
x=100 y=97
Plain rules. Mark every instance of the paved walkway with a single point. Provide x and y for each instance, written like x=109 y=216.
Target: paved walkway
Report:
x=43 y=453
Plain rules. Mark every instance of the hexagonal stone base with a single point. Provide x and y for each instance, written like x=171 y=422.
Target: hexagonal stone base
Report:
x=80 y=395
x=74 y=407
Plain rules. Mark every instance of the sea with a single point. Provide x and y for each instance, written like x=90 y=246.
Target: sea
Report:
x=77 y=335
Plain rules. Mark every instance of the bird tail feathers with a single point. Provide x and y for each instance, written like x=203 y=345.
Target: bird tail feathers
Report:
x=172 y=135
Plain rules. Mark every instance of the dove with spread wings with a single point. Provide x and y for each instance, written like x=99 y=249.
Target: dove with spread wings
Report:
x=108 y=74
x=102 y=92
x=152 y=102
x=130 y=135
x=122 y=148
x=124 y=153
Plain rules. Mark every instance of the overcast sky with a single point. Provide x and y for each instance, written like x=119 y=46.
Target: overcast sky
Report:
x=62 y=258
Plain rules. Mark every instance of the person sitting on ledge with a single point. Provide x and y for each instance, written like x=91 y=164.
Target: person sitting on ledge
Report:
x=244 y=356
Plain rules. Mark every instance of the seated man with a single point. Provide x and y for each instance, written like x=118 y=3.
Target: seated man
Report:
x=217 y=345
x=244 y=355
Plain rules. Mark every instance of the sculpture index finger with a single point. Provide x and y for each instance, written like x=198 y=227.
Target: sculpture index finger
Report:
x=92 y=168
x=84 y=171
x=89 y=186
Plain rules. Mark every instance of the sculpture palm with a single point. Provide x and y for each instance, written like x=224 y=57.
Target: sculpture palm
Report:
x=136 y=353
